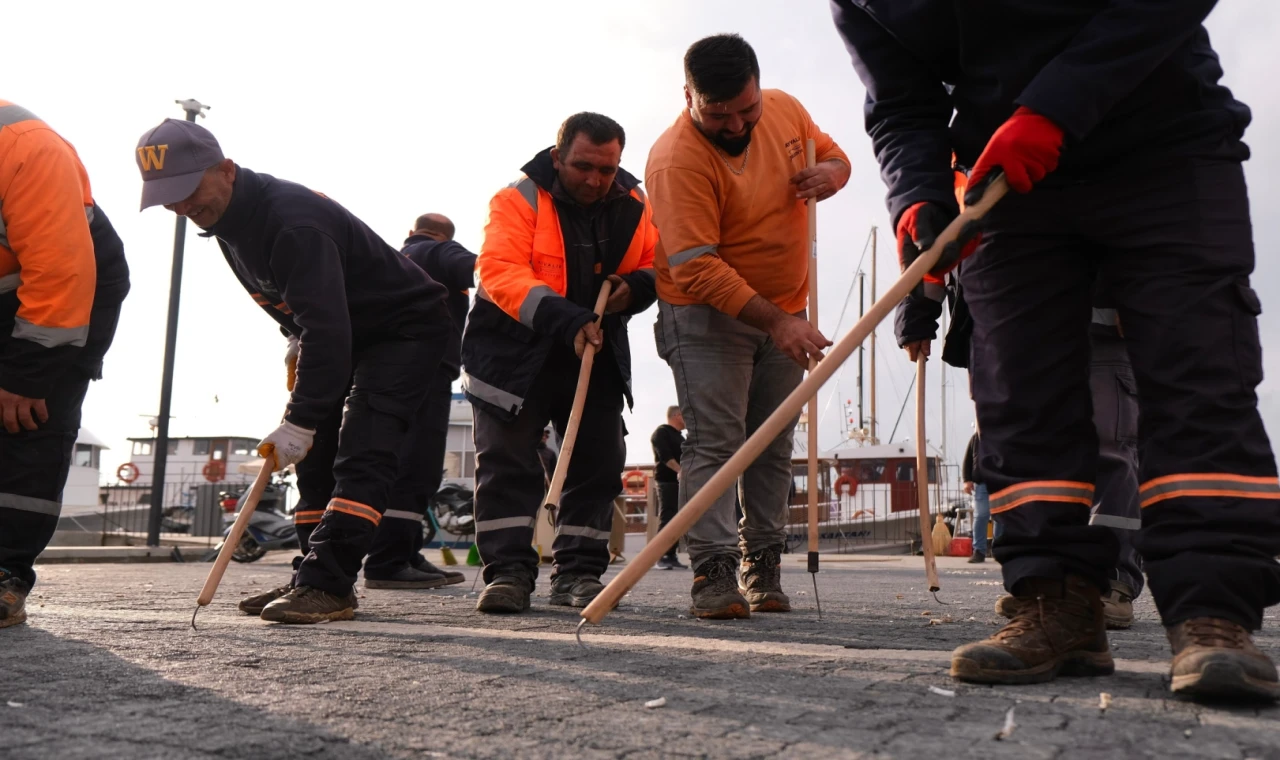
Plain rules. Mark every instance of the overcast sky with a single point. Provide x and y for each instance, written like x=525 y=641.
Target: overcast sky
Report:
x=398 y=109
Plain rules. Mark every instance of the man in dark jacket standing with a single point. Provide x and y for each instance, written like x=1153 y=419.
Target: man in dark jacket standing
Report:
x=395 y=561
x=571 y=220
x=667 y=442
x=1124 y=155
x=370 y=325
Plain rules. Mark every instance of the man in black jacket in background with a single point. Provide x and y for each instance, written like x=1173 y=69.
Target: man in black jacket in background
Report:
x=667 y=441
x=395 y=560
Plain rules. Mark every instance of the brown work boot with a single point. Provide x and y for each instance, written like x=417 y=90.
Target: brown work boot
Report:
x=13 y=599
x=253 y=605
x=1057 y=629
x=1117 y=606
x=304 y=605
x=715 y=590
x=762 y=580
x=1216 y=659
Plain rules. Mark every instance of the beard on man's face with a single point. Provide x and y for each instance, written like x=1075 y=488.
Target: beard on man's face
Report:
x=734 y=146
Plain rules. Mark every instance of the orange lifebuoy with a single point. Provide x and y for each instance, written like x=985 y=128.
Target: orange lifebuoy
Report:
x=846 y=480
x=862 y=513
x=214 y=470
x=635 y=482
x=127 y=472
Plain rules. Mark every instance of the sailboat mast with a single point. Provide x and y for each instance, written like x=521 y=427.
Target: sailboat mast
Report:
x=874 y=414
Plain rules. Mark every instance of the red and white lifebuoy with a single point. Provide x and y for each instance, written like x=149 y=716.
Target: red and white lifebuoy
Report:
x=635 y=482
x=214 y=470
x=846 y=484
x=127 y=472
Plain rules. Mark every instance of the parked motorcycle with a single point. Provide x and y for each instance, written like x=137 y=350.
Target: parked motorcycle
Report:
x=270 y=527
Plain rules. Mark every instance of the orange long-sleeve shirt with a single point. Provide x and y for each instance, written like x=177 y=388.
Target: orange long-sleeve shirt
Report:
x=725 y=237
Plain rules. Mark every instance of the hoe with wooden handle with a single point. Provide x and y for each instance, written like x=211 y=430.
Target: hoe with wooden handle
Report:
x=786 y=411
x=248 y=503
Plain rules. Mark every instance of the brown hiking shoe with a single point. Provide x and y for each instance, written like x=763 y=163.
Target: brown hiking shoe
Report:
x=1117 y=606
x=253 y=605
x=304 y=605
x=1057 y=629
x=715 y=590
x=13 y=599
x=762 y=580
x=1216 y=659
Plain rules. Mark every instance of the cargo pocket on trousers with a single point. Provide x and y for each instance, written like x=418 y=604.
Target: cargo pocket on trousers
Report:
x=1126 y=409
x=1247 y=344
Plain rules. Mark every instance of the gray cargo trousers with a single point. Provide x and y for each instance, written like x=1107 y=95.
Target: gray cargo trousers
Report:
x=729 y=378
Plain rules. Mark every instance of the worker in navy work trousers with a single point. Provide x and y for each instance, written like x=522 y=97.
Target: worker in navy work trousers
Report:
x=573 y=219
x=1124 y=156
x=370 y=327
x=395 y=561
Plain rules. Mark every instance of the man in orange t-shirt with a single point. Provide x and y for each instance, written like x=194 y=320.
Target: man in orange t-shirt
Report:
x=728 y=185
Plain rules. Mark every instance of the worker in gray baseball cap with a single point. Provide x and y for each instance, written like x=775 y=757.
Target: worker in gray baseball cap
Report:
x=370 y=325
x=173 y=158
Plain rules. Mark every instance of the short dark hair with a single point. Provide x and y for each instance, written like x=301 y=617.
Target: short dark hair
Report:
x=437 y=223
x=720 y=66
x=672 y=411
x=598 y=128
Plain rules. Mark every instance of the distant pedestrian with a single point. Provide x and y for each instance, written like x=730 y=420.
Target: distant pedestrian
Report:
x=667 y=441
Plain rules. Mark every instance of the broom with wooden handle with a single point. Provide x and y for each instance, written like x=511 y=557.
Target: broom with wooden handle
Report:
x=777 y=422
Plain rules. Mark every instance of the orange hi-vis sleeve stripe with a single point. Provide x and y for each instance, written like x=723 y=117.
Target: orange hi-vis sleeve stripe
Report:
x=1061 y=491
x=1211 y=484
x=356 y=509
x=308 y=517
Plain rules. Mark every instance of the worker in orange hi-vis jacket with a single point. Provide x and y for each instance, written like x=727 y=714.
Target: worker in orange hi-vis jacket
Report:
x=62 y=278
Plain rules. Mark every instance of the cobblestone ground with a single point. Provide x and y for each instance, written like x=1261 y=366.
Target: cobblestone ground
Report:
x=108 y=666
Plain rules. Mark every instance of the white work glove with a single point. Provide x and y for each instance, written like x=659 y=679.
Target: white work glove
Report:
x=291 y=362
x=289 y=444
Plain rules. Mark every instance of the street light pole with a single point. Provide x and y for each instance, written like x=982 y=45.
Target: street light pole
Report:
x=193 y=109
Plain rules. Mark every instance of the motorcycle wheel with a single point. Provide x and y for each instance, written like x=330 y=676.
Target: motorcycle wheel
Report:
x=248 y=550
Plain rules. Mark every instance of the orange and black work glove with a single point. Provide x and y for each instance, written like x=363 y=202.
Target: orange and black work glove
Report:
x=1025 y=148
x=918 y=229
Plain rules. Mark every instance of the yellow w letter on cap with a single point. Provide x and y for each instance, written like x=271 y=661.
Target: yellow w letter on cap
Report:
x=152 y=157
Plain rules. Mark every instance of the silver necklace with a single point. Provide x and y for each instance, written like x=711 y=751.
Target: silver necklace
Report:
x=746 y=155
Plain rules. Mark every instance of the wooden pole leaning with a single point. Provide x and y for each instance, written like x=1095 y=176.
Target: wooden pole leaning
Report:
x=810 y=160
x=922 y=480
x=247 y=506
x=575 y=412
x=786 y=411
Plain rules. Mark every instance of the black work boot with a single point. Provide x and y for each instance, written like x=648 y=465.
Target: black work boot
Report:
x=405 y=577
x=304 y=605
x=977 y=557
x=253 y=605
x=1216 y=659
x=574 y=590
x=13 y=599
x=1057 y=628
x=715 y=590
x=506 y=594
x=450 y=576
x=762 y=580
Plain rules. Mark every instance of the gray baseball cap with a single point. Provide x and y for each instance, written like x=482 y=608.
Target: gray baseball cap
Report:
x=172 y=158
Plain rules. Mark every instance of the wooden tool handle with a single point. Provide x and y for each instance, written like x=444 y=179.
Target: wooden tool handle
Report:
x=810 y=160
x=777 y=422
x=249 y=504
x=922 y=480
x=575 y=413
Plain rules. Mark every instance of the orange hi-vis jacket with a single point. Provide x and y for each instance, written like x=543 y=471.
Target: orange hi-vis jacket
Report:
x=47 y=267
x=522 y=306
